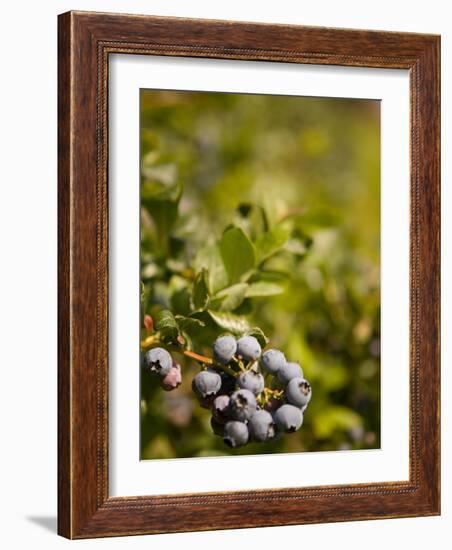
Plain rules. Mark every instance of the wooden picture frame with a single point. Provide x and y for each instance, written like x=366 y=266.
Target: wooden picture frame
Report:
x=85 y=43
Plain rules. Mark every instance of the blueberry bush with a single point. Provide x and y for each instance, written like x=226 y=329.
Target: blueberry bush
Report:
x=252 y=396
x=259 y=272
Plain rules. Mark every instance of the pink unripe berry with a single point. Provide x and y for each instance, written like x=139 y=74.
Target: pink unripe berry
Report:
x=173 y=378
x=148 y=323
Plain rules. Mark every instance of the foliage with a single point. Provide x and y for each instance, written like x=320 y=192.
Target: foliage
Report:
x=252 y=223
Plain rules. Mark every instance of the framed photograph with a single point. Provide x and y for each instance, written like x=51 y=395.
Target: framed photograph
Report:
x=248 y=275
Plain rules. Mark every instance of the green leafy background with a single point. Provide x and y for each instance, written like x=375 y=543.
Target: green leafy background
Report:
x=263 y=211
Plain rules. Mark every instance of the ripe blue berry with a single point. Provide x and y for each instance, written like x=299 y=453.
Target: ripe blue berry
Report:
x=289 y=371
x=261 y=426
x=272 y=360
x=242 y=405
x=158 y=361
x=224 y=349
x=248 y=348
x=252 y=381
x=288 y=418
x=236 y=433
x=220 y=408
x=298 y=392
x=206 y=383
x=172 y=379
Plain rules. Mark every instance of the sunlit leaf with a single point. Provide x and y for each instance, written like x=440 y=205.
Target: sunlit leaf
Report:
x=164 y=215
x=229 y=322
x=253 y=219
x=166 y=324
x=158 y=191
x=296 y=246
x=200 y=293
x=164 y=174
x=271 y=242
x=262 y=288
x=231 y=297
x=209 y=258
x=237 y=252
x=187 y=323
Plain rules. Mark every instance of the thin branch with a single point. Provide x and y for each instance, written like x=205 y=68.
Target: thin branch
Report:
x=197 y=356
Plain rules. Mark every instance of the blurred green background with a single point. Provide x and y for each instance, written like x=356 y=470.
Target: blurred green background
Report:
x=316 y=160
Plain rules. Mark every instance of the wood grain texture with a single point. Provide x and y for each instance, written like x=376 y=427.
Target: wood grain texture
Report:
x=64 y=295
x=85 y=42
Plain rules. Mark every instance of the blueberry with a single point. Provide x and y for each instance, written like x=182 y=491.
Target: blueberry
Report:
x=288 y=418
x=236 y=433
x=272 y=360
x=252 y=381
x=298 y=392
x=289 y=371
x=172 y=379
x=206 y=383
x=242 y=405
x=158 y=361
x=224 y=349
x=220 y=408
x=217 y=427
x=248 y=348
x=261 y=426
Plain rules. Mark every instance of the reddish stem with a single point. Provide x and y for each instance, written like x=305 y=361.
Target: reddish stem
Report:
x=201 y=358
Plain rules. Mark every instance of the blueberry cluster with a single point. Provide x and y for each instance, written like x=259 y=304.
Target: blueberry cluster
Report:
x=253 y=396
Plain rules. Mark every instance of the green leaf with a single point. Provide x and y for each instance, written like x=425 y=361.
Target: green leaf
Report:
x=163 y=174
x=229 y=322
x=143 y=294
x=259 y=335
x=200 y=292
x=154 y=190
x=271 y=242
x=237 y=252
x=209 y=258
x=180 y=301
x=164 y=214
x=166 y=324
x=188 y=340
x=187 y=323
x=231 y=297
x=296 y=246
x=252 y=218
x=262 y=288
x=161 y=200
x=149 y=143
